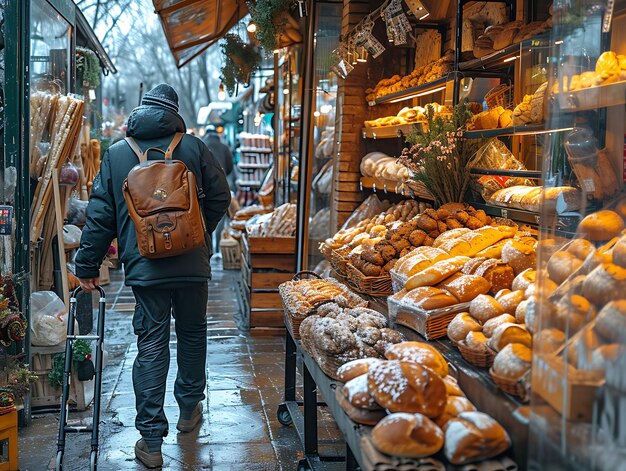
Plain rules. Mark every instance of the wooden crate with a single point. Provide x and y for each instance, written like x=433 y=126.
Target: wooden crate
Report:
x=268 y=280
x=44 y=394
x=265 y=300
x=266 y=318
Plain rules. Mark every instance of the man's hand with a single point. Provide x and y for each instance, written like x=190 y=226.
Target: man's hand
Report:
x=89 y=284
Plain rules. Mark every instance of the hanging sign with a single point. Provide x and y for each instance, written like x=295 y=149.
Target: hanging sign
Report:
x=397 y=23
x=366 y=39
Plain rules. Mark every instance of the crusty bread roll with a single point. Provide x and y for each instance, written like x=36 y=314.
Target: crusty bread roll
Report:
x=513 y=361
x=579 y=353
x=404 y=386
x=429 y=297
x=605 y=354
x=524 y=279
x=419 y=259
x=509 y=333
x=407 y=435
x=603 y=282
x=601 y=225
x=419 y=352
x=476 y=341
x=611 y=321
x=561 y=265
x=436 y=273
x=452 y=387
x=499 y=274
x=547 y=288
x=510 y=301
x=359 y=414
x=520 y=254
x=580 y=248
x=450 y=235
x=619 y=253
x=454 y=406
x=484 y=307
x=465 y=287
x=520 y=312
x=474 y=436
x=355 y=368
x=357 y=392
x=461 y=325
x=549 y=340
x=573 y=312
x=492 y=324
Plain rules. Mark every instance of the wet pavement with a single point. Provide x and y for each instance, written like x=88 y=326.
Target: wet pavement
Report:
x=245 y=386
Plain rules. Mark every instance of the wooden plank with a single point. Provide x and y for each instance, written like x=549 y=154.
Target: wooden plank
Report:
x=59 y=216
x=349 y=196
x=349 y=187
x=347 y=206
x=267 y=331
x=349 y=176
x=265 y=301
x=272 y=245
x=266 y=318
x=351 y=166
x=279 y=262
x=265 y=280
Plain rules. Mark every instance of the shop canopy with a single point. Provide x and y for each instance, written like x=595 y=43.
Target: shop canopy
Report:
x=191 y=26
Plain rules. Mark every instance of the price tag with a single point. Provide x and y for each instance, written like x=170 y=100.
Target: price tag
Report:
x=6 y=220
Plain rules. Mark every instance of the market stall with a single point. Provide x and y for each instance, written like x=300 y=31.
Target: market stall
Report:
x=475 y=236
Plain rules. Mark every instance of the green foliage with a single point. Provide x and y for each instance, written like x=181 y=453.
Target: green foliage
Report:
x=266 y=15
x=80 y=351
x=240 y=60
x=88 y=74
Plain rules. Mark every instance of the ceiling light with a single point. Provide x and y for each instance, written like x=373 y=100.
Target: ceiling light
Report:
x=416 y=95
x=251 y=27
x=510 y=59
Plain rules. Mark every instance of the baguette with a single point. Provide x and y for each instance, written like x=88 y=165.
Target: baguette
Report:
x=436 y=273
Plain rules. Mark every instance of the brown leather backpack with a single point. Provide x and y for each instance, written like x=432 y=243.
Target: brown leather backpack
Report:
x=162 y=200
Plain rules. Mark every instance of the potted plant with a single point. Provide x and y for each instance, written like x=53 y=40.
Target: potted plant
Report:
x=440 y=156
x=275 y=27
x=241 y=60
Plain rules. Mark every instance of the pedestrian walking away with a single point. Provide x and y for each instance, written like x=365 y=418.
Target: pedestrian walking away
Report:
x=173 y=286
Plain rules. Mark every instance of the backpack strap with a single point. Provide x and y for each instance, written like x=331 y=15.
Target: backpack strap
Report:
x=136 y=149
x=175 y=141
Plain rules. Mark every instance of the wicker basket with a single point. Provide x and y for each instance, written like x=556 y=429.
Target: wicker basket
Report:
x=338 y=262
x=231 y=253
x=518 y=388
x=502 y=95
x=371 y=285
x=482 y=359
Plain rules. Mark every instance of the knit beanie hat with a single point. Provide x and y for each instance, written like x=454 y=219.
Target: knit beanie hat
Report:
x=162 y=95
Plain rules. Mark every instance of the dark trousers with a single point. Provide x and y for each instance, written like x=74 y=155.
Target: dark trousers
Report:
x=151 y=322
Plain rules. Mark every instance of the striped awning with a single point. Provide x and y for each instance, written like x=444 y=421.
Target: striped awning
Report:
x=191 y=26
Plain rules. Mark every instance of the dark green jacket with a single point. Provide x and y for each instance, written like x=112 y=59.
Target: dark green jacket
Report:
x=107 y=214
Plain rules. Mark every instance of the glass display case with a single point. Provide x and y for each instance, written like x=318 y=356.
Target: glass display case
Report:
x=578 y=311
x=288 y=122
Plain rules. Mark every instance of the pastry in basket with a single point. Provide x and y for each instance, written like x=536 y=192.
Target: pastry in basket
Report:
x=426 y=298
x=461 y=325
x=508 y=333
x=492 y=324
x=513 y=361
x=358 y=403
x=454 y=406
x=403 y=386
x=509 y=300
x=437 y=272
x=419 y=259
x=476 y=342
x=472 y=437
x=407 y=435
x=355 y=368
x=484 y=307
x=302 y=297
x=465 y=287
x=419 y=352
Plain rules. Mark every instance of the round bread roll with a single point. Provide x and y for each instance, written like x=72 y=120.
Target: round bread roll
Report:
x=509 y=333
x=454 y=407
x=520 y=312
x=355 y=368
x=561 y=265
x=476 y=341
x=619 y=252
x=520 y=254
x=549 y=340
x=581 y=248
x=579 y=353
x=461 y=325
x=604 y=282
x=452 y=387
x=404 y=386
x=357 y=392
x=419 y=352
x=611 y=321
x=606 y=354
x=531 y=314
x=513 y=361
x=601 y=225
x=573 y=312
x=547 y=288
x=510 y=301
x=359 y=414
x=524 y=279
x=492 y=324
x=484 y=307
x=474 y=436
x=407 y=435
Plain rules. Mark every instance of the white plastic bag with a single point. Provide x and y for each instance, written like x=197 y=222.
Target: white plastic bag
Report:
x=48 y=319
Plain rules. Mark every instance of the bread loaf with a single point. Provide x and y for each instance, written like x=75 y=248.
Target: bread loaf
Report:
x=357 y=392
x=497 y=273
x=509 y=333
x=452 y=387
x=465 y=287
x=419 y=352
x=461 y=325
x=474 y=436
x=485 y=307
x=403 y=386
x=601 y=225
x=520 y=254
x=407 y=435
x=549 y=340
x=580 y=248
x=454 y=406
x=436 y=273
x=510 y=301
x=573 y=312
x=360 y=415
x=561 y=265
x=476 y=341
x=495 y=250
x=415 y=262
x=513 y=361
x=429 y=298
x=603 y=282
x=355 y=368
x=611 y=322
x=524 y=279
x=606 y=354
x=450 y=235
x=492 y=324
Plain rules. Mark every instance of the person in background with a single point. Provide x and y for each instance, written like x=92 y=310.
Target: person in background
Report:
x=224 y=156
x=163 y=288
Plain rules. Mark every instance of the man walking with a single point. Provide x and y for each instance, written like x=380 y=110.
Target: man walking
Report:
x=174 y=286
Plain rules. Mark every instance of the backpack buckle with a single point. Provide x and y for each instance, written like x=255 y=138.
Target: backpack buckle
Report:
x=168 y=240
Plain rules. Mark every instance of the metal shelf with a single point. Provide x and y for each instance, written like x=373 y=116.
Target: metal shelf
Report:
x=414 y=92
x=535 y=174
x=392 y=132
x=524 y=130
x=593 y=98
x=389 y=186
x=503 y=58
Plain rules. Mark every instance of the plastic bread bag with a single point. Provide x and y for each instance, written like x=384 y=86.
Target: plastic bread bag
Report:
x=48 y=324
x=496 y=155
x=369 y=208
